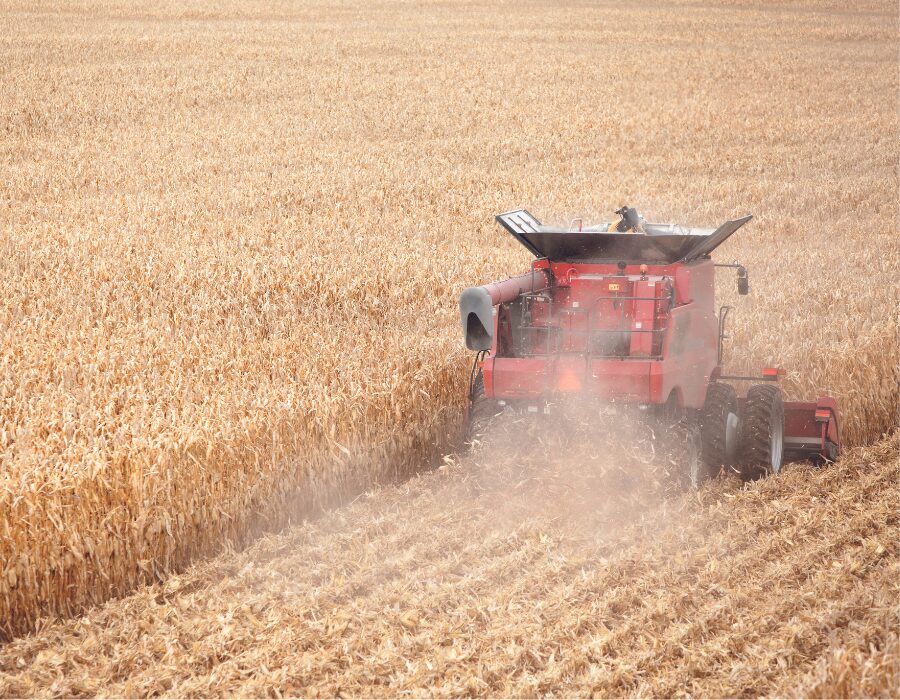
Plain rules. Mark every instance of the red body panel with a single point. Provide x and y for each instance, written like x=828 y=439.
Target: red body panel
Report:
x=542 y=377
x=809 y=426
x=612 y=334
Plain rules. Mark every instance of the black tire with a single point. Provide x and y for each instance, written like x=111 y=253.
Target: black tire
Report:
x=683 y=455
x=481 y=409
x=718 y=426
x=762 y=436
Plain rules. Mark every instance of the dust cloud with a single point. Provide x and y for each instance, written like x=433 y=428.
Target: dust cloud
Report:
x=583 y=469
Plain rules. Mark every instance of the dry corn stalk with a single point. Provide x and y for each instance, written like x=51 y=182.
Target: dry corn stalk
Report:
x=229 y=284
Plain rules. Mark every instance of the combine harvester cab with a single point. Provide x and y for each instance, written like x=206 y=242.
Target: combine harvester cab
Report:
x=625 y=313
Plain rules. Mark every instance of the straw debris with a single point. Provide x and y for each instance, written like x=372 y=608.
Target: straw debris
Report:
x=477 y=579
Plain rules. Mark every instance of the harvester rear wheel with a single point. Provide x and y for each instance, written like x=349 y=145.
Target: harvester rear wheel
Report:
x=763 y=431
x=719 y=426
x=481 y=409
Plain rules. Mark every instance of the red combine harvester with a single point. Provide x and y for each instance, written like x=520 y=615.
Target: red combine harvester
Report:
x=624 y=312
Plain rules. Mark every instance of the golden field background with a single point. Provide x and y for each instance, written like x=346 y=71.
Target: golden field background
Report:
x=232 y=238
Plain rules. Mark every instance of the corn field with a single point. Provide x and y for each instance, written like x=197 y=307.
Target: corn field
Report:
x=232 y=237
x=503 y=575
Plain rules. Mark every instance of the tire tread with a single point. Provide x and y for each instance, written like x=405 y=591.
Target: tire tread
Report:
x=481 y=409
x=762 y=401
x=721 y=399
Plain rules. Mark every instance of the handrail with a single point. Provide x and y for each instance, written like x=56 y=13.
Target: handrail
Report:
x=668 y=300
x=557 y=330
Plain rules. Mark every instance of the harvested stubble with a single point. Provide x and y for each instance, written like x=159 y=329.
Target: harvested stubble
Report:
x=231 y=256
x=491 y=577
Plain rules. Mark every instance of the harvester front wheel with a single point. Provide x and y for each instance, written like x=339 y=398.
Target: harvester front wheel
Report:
x=763 y=431
x=719 y=426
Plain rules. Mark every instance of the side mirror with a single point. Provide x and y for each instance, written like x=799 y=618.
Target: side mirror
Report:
x=743 y=282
